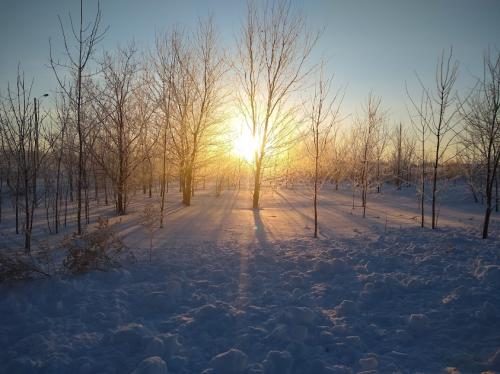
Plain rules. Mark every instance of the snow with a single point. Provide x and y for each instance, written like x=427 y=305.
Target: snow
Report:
x=235 y=290
x=233 y=361
x=151 y=365
x=277 y=362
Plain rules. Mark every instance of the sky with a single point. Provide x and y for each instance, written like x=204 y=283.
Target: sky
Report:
x=370 y=45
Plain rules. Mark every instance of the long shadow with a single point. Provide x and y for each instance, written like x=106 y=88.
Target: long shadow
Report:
x=260 y=229
x=293 y=206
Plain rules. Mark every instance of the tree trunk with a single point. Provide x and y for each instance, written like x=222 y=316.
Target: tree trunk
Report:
x=434 y=183
x=316 y=193
x=257 y=181
x=187 y=186
x=487 y=213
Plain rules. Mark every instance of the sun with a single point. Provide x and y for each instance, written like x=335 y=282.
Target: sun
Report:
x=245 y=146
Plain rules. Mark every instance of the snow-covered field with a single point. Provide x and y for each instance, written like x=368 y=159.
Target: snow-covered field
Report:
x=235 y=290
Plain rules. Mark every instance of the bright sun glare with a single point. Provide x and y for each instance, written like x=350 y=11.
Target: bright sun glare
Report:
x=245 y=146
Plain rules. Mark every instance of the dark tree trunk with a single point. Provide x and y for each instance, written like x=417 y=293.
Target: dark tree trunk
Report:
x=257 y=181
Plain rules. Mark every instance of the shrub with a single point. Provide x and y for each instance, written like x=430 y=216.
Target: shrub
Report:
x=98 y=249
x=17 y=267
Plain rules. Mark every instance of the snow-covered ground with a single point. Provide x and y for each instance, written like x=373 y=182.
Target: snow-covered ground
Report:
x=236 y=290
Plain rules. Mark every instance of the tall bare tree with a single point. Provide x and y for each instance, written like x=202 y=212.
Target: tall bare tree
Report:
x=21 y=133
x=121 y=118
x=419 y=115
x=322 y=117
x=481 y=113
x=368 y=132
x=163 y=62
x=86 y=37
x=437 y=111
x=273 y=52
x=198 y=97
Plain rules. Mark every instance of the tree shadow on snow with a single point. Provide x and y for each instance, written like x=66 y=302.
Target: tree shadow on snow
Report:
x=260 y=230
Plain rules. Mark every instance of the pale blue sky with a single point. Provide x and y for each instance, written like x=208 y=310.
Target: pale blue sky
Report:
x=371 y=45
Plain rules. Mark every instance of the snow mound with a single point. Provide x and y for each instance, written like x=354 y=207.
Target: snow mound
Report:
x=132 y=334
x=491 y=276
x=301 y=316
x=325 y=269
x=151 y=365
x=369 y=363
x=418 y=324
x=277 y=362
x=347 y=308
x=495 y=361
x=233 y=361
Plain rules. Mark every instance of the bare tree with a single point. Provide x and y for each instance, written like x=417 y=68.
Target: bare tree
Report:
x=272 y=54
x=86 y=38
x=21 y=131
x=481 y=113
x=121 y=120
x=419 y=117
x=437 y=111
x=198 y=98
x=62 y=123
x=163 y=62
x=368 y=130
x=397 y=140
x=322 y=117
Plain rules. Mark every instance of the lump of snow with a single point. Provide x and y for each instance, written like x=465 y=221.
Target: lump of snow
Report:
x=22 y=365
x=206 y=312
x=174 y=288
x=170 y=344
x=277 y=362
x=347 y=308
x=495 y=361
x=151 y=365
x=340 y=329
x=487 y=311
x=418 y=324
x=451 y=370
x=131 y=334
x=280 y=332
x=154 y=346
x=298 y=333
x=354 y=341
x=369 y=363
x=339 y=266
x=301 y=316
x=158 y=300
x=322 y=267
x=341 y=369
x=233 y=361
x=326 y=269
x=177 y=363
x=319 y=367
x=491 y=275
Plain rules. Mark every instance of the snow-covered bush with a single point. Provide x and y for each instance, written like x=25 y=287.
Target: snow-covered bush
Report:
x=15 y=268
x=93 y=250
